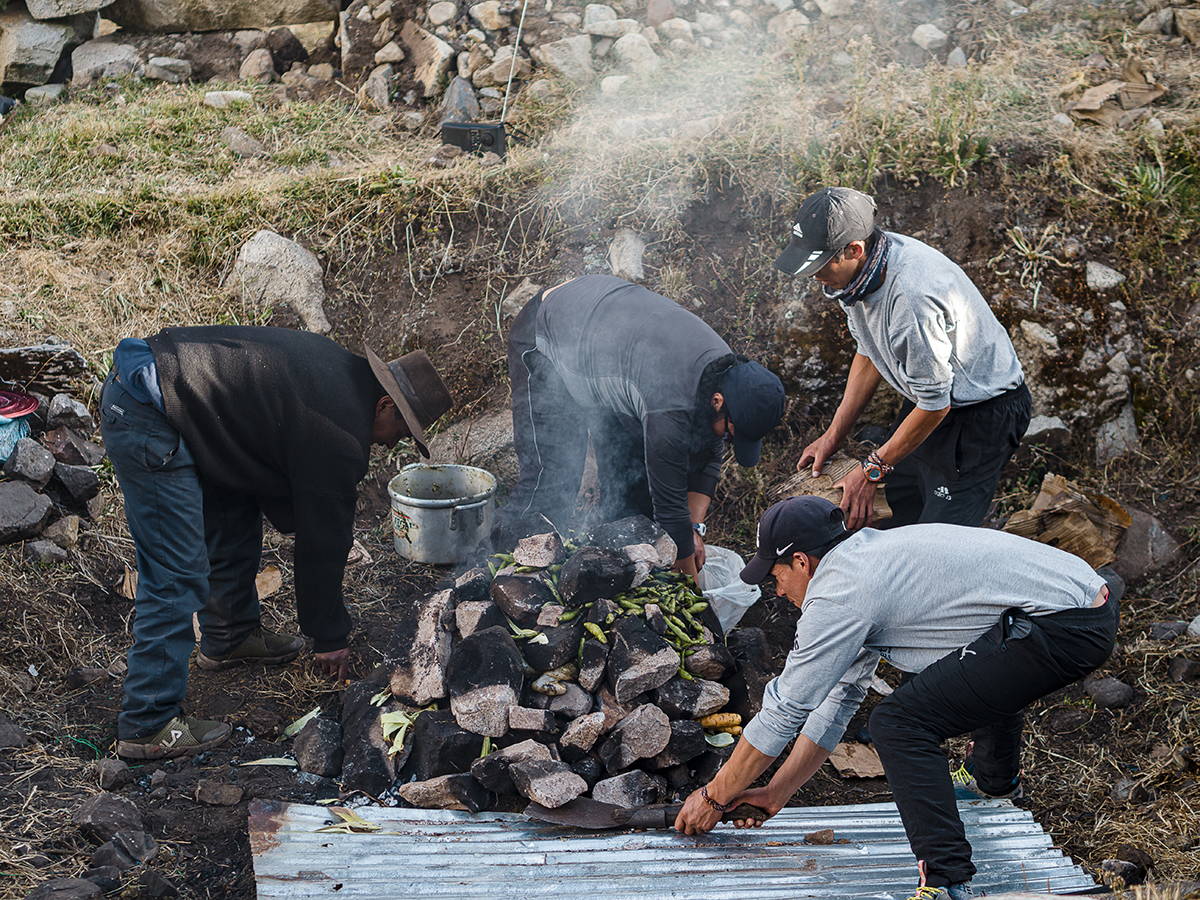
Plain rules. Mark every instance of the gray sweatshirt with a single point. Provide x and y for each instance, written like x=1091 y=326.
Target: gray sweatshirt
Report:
x=930 y=333
x=909 y=595
x=621 y=348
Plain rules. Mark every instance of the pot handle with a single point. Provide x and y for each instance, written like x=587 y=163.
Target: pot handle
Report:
x=464 y=508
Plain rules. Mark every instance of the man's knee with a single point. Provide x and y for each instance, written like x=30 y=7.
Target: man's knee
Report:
x=888 y=723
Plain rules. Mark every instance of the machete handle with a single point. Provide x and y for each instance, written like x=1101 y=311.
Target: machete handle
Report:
x=745 y=811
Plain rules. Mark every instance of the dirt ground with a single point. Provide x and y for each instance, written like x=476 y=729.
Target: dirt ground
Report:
x=56 y=622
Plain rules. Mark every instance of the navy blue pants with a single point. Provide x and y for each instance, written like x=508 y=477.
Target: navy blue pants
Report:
x=198 y=551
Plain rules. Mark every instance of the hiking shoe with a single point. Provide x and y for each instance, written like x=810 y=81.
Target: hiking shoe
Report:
x=262 y=646
x=182 y=736
x=967 y=788
x=962 y=891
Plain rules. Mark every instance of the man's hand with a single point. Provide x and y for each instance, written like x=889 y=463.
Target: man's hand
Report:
x=687 y=565
x=761 y=797
x=334 y=663
x=817 y=452
x=858 y=498
x=698 y=555
x=697 y=816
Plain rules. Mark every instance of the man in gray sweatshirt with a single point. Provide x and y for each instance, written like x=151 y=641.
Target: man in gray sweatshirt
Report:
x=922 y=326
x=652 y=387
x=981 y=622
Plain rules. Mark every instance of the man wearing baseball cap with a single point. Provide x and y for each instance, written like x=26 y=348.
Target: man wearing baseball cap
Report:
x=981 y=622
x=209 y=430
x=921 y=325
x=653 y=388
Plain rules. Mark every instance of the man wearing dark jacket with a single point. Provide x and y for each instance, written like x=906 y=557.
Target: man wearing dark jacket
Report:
x=209 y=429
x=652 y=386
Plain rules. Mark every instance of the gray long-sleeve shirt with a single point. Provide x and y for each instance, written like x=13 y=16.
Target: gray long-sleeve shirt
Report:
x=930 y=333
x=909 y=595
x=622 y=348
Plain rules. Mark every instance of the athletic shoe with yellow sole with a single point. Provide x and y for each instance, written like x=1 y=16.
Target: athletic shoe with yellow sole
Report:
x=182 y=736
x=261 y=646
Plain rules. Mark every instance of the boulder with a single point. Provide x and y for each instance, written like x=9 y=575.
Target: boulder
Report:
x=676 y=30
x=835 y=8
x=593 y=664
x=572 y=703
x=633 y=52
x=442 y=13
x=561 y=646
x=642 y=734
x=102 y=58
x=459 y=103
x=1100 y=277
x=1109 y=692
x=639 y=660
x=241 y=144
x=458 y=791
x=659 y=11
x=484 y=679
x=112 y=774
x=102 y=816
x=486 y=441
x=286 y=49
x=80 y=483
x=125 y=849
x=271 y=269
x=490 y=15
x=626 y=249
x=23 y=511
x=596 y=13
x=45 y=94
x=1049 y=431
x=30 y=462
x=228 y=100
x=1168 y=631
x=44 y=552
x=492 y=771
x=168 y=69
x=539 y=550
x=48 y=366
x=613 y=29
x=582 y=733
x=11 y=734
x=1187 y=23
x=66 y=889
x=153 y=885
x=69 y=447
x=548 y=782
x=421 y=649
x=956 y=58
x=30 y=50
x=630 y=790
x=1145 y=547
x=1184 y=670
x=476 y=615
x=213 y=792
x=431 y=57
x=621 y=533
x=680 y=698
x=318 y=747
x=522 y=718
x=67 y=412
x=258 y=66
x=376 y=90
x=713 y=662
x=521 y=597
x=173 y=16
x=440 y=746
x=752 y=653
x=107 y=878
x=356 y=37
x=367 y=762
x=589 y=769
x=929 y=37
x=685 y=744
x=569 y=57
x=64 y=532
x=593 y=573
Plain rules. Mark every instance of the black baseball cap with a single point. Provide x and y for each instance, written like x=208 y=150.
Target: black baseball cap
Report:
x=754 y=399
x=825 y=223
x=795 y=525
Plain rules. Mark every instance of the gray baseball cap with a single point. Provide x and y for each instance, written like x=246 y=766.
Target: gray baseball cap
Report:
x=825 y=223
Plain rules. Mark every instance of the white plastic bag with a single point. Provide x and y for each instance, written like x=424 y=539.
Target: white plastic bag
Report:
x=729 y=596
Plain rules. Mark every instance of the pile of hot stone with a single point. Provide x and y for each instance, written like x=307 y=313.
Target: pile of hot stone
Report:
x=553 y=672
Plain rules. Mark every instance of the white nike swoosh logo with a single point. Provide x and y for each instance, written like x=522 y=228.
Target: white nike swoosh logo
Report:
x=782 y=550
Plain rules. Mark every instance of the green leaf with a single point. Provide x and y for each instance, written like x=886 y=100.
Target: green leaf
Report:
x=722 y=739
x=296 y=726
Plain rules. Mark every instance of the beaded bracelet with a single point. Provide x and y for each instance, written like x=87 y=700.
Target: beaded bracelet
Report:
x=719 y=807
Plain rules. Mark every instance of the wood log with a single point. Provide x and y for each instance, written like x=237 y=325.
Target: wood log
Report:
x=1066 y=516
x=835 y=470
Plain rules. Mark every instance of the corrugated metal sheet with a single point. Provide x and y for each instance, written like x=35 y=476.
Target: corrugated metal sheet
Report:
x=443 y=854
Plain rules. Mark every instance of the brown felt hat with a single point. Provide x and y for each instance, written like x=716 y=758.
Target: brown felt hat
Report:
x=417 y=388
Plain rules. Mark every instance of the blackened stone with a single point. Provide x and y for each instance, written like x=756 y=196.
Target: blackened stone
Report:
x=30 y=462
x=213 y=792
x=80 y=483
x=522 y=718
x=539 y=550
x=680 y=698
x=420 y=650
x=102 y=816
x=1137 y=856
x=706 y=766
x=630 y=790
x=753 y=657
x=1109 y=693
x=686 y=743
x=82 y=676
x=639 y=660
x=592 y=573
x=152 y=885
x=318 y=747
x=582 y=734
x=458 y=791
x=550 y=615
x=636 y=530
x=1166 y=631
x=655 y=619
x=112 y=774
x=23 y=512
x=65 y=889
x=1128 y=790
x=125 y=850
x=367 y=764
x=589 y=769
x=66 y=411
x=573 y=704
x=11 y=734
x=600 y=612
x=71 y=448
x=1184 y=669
x=1128 y=873
x=475 y=615
x=643 y=559
x=107 y=878
x=45 y=553
x=548 y=782
x=614 y=711
x=492 y=771
x=593 y=663
x=713 y=662
x=440 y=746
x=521 y=597
x=562 y=646
x=285 y=49
x=484 y=678
x=49 y=366
x=472 y=585
x=642 y=734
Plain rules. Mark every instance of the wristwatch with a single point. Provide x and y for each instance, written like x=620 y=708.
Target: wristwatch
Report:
x=875 y=469
x=700 y=528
